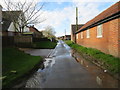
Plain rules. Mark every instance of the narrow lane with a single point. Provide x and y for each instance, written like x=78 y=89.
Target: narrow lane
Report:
x=61 y=70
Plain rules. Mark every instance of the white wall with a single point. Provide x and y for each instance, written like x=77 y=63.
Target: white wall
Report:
x=26 y=29
x=12 y=28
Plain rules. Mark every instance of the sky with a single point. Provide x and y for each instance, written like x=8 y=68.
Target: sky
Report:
x=61 y=14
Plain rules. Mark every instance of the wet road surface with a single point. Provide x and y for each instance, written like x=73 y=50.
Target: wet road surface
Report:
x=63 y=69
x=37 y=52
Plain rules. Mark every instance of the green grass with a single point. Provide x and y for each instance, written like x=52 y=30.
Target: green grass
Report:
x=111 y=63
x=44 y=45
x=17 y=61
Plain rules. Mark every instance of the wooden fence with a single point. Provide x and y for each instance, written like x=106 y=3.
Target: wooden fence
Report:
x=23 y=39
x=7 y=41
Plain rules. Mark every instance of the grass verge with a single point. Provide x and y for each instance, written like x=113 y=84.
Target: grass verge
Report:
x=44 y=45
x=15 y=64
x=109 y=62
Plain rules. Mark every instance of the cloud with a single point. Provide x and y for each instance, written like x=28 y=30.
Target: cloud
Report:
x=58 y=18
x=62 y=19
x=79 y=1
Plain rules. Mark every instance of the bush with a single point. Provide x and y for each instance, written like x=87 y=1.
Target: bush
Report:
x=40 y=39
x=44 y=45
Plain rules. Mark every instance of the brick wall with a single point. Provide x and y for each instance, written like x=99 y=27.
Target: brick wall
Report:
x=36 y=33
x=73 y=30
x=114 y=44
x=108 y=43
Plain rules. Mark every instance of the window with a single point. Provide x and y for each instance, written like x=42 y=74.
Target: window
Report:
x=99 y=31
x=77 y=36
x=81 y=35
x=88 y=33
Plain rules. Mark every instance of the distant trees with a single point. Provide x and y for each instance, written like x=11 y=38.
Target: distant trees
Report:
x=49 y=32
x=29 y=13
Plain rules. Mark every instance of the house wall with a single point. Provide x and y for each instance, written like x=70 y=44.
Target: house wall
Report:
x=36 y=34
x=108 y=43
x=73 y=30
x=26 y=29
x=114 y=37
x=72 y=33
x=67 y=37
x=72 y=37
x=12 y=28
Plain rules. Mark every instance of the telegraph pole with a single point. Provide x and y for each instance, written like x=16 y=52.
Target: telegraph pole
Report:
x=76 y=22
x=76 y=18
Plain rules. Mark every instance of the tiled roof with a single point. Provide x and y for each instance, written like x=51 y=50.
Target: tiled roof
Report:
x=7 y=17
x=74 y=27
x=107 y=13
x=6 y=24
x=68 y=35
x=33 y=29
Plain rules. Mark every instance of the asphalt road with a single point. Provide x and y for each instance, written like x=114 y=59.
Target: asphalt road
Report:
x=61 y=70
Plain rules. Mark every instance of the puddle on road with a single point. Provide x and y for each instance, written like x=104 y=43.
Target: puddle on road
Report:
x=37 y=80
x=49 y=62
x=103 y=79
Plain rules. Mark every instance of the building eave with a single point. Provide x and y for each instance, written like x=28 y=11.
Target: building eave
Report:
x=114 y=16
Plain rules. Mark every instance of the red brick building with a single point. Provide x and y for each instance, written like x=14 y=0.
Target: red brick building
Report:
x=102 y=32
x=73 y=31
x=67 y=37
x=33 y=32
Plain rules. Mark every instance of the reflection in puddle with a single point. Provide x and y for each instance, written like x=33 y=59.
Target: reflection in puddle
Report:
x=99 y=80
x=37 y=80
x=49 y=73
x=49 y=62
x=102 y=78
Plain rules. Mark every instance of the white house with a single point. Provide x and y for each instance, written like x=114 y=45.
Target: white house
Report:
x=8 y=27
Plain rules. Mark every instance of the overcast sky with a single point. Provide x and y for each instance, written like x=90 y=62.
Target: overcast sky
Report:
x=61 y=14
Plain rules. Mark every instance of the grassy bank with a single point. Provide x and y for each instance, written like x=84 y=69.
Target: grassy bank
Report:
x=109 y=62
x=15 y=64
x=44 y=45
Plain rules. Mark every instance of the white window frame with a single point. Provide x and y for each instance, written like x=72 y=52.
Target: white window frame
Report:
x=81 y=34
x=99 y=31
x=88 y=33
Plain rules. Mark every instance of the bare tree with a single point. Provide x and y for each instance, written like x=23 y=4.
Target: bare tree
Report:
x=24 y=13
x=49 y=32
